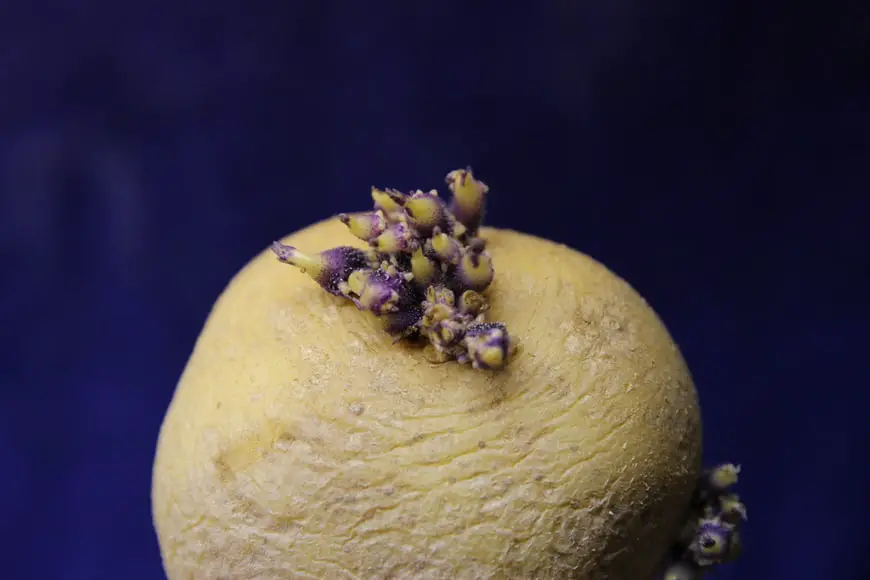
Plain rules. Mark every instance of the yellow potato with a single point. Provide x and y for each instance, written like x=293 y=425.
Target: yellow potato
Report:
x=302 y=443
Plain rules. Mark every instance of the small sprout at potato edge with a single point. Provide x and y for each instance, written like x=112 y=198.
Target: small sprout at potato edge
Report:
x=711 y=535
x=425 y=272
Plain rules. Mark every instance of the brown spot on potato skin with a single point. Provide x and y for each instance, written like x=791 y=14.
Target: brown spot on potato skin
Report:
x=284 y=469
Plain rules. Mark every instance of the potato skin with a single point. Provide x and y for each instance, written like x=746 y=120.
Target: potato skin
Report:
x=301 y=443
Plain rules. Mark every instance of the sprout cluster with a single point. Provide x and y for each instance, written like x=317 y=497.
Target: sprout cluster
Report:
x=423 y=273
x=712 y=532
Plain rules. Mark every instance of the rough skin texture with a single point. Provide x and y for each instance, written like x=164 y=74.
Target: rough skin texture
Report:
x=302 y=443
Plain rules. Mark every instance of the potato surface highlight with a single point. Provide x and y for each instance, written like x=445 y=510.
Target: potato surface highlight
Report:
x=302 y=443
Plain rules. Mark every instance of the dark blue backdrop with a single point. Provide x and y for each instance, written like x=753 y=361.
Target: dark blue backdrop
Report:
x=713 y=153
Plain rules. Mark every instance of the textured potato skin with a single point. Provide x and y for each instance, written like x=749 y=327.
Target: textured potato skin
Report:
x=301 y=443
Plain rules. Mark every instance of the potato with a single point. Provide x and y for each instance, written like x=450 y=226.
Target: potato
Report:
x=304 y=442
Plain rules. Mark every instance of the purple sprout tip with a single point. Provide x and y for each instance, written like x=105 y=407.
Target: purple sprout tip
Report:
x=282 y=251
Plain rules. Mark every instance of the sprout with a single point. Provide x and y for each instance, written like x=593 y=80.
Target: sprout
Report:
x=711 y=534
x=712 y=541
x=379 y=291
x=468 y=198
x=682 y=571
x=425 y=273
x=425 y=211
x=330 y=268
x=389 y=201
x=366 y=225
x=474 y=271
x=722 y=476
x=425 y=270
x=471 y=303
x=731 y=509
x=488 y=345
x=444 y=248
x=398 y=238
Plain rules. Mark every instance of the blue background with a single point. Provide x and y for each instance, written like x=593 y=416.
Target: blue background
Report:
x=715 y=154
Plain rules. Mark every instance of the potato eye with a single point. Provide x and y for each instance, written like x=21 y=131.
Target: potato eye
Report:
x=713 y=540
